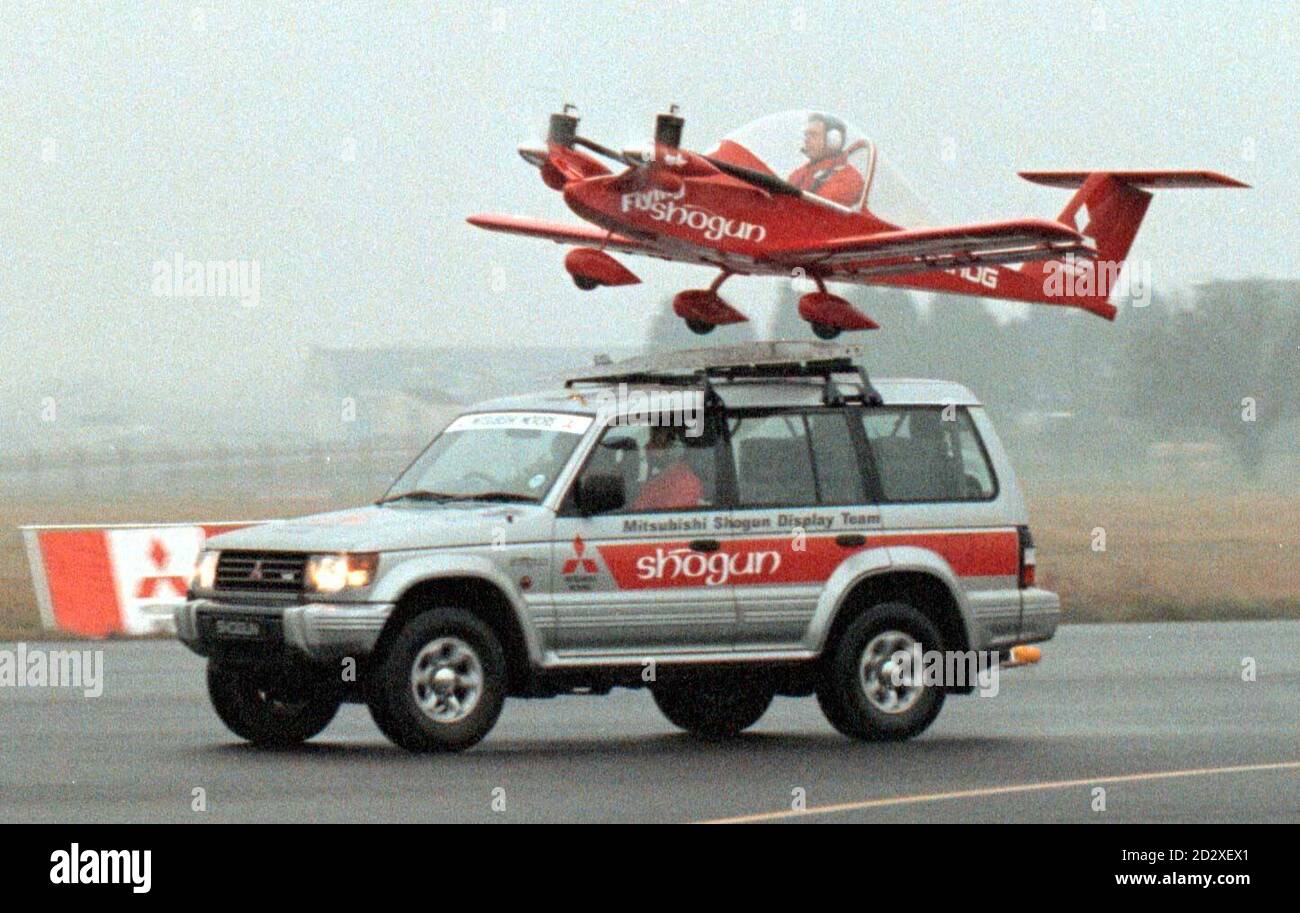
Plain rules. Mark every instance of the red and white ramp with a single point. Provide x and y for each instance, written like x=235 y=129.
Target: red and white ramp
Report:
x=102 y=580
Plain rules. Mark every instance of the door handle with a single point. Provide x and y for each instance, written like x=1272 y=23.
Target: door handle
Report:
x=850 y=540
x=705 y=545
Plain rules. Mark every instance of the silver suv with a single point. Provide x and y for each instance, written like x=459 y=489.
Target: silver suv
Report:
x=719 y=525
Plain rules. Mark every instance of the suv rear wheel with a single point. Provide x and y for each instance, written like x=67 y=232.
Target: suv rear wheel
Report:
x=714 y=706
x=440 y=683
x=860 y=692
x=268 y=709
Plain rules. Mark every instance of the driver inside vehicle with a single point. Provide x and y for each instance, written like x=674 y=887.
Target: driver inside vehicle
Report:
x=671 y=482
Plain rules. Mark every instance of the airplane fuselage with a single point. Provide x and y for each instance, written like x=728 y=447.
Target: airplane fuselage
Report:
x=719 y=219
x=726 y=223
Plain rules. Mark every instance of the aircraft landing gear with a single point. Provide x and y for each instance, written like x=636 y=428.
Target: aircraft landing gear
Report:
x=830 y=314
x=591 y=268
x=704 y=309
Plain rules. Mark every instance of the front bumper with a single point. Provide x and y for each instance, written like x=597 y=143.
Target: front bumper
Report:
x=1040 y=612
x=318 y=632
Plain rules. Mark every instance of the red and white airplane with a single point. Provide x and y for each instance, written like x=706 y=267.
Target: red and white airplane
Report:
x=834 y=213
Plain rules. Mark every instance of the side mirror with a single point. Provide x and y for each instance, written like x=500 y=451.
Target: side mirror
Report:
x=599 y=492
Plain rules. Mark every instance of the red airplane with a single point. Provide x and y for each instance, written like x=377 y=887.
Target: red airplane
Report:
x=837 y=217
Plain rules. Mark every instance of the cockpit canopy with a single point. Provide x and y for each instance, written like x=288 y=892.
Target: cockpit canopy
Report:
x=777 y=145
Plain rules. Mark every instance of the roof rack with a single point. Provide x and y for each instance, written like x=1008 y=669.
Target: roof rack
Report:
x=746 y=361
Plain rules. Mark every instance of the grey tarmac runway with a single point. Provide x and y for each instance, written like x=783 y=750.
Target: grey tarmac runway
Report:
x=1156 y=715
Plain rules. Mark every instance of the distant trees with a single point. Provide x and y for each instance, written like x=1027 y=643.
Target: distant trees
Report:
x=1225 y=361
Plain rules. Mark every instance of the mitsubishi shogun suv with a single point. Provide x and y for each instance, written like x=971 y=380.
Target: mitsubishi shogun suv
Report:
x=718 y=525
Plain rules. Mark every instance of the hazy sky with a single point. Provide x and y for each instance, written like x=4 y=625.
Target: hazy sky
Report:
x=341 y=145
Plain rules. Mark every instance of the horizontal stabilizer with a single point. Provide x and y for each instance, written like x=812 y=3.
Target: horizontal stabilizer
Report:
x=1144 y=180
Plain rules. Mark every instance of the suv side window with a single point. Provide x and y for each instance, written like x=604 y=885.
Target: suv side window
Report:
x=773 y=460
x=795 y=458
x=922 y=456
x=662 y=467
x=839 y=473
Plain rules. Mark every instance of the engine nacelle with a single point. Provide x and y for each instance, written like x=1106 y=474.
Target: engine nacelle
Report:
x=590 y=267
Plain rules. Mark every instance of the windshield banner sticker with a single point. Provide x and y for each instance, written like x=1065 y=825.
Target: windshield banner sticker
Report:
x=511 y=421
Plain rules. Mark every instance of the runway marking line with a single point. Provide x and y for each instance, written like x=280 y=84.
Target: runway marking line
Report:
x=1000 y=791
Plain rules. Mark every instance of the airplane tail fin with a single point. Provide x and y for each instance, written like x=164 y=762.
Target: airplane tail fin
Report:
x=1107 y=207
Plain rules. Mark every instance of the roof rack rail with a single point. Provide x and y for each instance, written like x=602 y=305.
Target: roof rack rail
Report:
x=746 y=361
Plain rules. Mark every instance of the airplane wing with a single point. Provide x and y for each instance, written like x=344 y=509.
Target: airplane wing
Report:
x=926 y=249
x=584 y=235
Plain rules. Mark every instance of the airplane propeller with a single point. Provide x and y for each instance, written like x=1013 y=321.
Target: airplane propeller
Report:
x=558 y=168
x=563 y=131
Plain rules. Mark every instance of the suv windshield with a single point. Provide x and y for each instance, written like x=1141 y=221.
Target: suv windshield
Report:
x=492 y=456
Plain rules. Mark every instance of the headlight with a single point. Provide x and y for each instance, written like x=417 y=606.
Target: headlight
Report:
x=336 y=573
x=205 y=571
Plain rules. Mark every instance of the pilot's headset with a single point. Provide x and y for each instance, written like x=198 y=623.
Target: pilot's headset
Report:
x=835 y=131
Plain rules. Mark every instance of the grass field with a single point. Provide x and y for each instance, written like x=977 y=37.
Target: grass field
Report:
x=1170 y=554
x=1181 y=553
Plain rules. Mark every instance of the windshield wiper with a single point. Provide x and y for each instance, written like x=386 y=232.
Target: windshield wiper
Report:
x=422 y=495
x=498 y=496
x=419 y=494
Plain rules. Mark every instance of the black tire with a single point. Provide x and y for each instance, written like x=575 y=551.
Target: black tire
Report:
x=714 y=707
x=825 y=330
x=268 y=709
x=586 y=283
x=458 y=641
x=374 y=695
x=841 y=693
x=700 y=327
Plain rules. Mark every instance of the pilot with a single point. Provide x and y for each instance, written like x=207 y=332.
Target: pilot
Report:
x=828 y=172
x=671 y=482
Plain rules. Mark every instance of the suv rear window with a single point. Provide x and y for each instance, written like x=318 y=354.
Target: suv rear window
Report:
x=928 y=453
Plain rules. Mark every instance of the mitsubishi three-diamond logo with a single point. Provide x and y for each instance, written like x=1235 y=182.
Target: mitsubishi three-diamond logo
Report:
x=149 y=585
x=579 y=561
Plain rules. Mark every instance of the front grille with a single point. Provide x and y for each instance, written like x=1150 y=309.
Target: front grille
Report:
x=266 y=572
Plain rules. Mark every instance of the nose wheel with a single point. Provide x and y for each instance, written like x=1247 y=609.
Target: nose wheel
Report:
x=825 y=330
x=700 y=327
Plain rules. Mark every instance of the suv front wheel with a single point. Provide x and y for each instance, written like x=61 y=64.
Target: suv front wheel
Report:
x=268 y=709
x=440 y=683
x=865 y=691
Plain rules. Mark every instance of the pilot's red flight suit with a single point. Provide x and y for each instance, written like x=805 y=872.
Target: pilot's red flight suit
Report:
x=676 y=487
x=831 y=178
